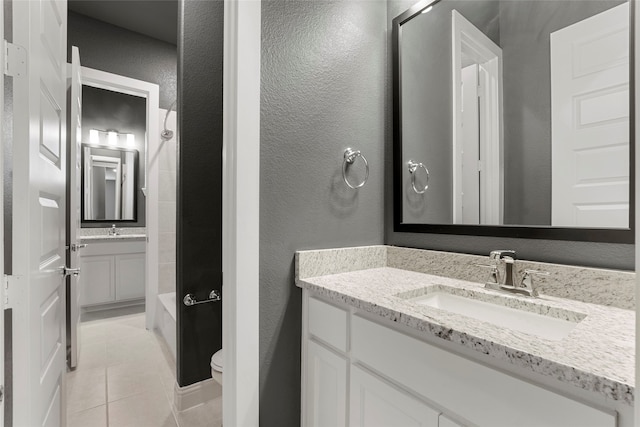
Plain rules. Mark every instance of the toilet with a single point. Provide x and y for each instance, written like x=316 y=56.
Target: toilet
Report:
x=216 y=366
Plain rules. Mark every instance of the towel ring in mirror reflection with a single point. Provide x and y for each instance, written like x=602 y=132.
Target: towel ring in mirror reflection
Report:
x=413 y=168
x=350 y=157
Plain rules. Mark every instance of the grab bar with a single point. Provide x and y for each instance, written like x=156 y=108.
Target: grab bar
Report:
x=190 y=300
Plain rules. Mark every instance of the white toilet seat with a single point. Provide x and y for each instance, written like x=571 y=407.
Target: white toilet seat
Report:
x=217 y=361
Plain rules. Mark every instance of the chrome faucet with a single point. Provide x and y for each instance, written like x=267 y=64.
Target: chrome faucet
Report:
x=113 y=231
x=506 y=259
x=502 y=276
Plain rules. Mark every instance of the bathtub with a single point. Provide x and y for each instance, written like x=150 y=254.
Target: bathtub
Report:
x=166 y=319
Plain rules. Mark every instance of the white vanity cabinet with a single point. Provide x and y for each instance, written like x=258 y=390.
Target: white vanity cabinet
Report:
x=112 y=272
x=391 y=378
x=374 y=402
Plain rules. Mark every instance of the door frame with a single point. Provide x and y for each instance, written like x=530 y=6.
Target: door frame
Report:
x=3 y=305
x=151 y=92
x=241 y=212
x=466 y=37
x=635 y=18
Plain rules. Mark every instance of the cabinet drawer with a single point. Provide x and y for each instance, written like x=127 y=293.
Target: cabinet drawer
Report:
x=114 y=248
x=328 y=323
x=471 y=390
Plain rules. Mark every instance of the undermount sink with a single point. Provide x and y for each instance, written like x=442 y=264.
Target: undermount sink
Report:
x=532 y=318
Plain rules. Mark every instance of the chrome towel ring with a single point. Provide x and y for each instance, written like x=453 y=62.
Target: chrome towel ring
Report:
x=413 y=167
x=350 y=157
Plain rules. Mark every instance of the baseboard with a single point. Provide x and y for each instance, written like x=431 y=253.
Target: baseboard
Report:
x=195 y=394
x=112 y=305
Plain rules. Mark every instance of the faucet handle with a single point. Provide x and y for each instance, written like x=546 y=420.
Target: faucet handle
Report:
x=493 y=274
x=503 y=253
x=536 y=272
x=527 y=281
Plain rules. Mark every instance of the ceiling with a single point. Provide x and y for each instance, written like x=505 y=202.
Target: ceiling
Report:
x=154 y=18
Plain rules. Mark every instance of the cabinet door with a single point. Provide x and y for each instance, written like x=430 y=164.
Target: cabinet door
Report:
x=325 y=387
x=374 y=403
x=98 y=279
x=130 y=276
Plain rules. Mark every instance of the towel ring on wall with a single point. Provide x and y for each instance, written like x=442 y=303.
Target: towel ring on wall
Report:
x=350 y=157
x=413 y=167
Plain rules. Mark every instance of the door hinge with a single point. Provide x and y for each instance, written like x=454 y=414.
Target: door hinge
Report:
x=15 y=60
x=9 y=283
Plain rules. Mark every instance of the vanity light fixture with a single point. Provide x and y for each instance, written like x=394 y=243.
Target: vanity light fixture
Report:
x=427 y=10
x=112 y=137
x=94 y=136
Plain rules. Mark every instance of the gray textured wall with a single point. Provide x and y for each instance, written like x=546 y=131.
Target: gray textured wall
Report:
x=323 y=76
x=427 y=120
x=606 y=255
x=113 y=49
x=104 y=109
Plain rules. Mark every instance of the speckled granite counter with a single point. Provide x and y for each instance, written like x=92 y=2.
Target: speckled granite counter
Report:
x=598 y=355
x=125 y=234
x=118 y=238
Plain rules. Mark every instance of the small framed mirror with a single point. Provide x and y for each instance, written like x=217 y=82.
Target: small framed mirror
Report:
x=512 y=119
x=109 y=184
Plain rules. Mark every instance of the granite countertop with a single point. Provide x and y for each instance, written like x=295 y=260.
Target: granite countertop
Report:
x=101 y=235
x=117 y=238
x=598 y=355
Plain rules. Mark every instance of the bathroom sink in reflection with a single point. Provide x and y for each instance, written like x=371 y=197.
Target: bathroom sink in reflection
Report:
x=509 y=313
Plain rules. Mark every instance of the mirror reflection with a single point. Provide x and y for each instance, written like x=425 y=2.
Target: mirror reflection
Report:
x=519 y=112
x=108 y=183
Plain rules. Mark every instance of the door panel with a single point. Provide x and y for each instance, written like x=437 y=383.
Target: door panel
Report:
x=39 y=214
x=74 y=141
x=590 y=121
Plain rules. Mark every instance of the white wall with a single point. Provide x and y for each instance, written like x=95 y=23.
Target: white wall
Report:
x=167 y=208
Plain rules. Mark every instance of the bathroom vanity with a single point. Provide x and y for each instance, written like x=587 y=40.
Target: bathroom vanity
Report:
x=113 y=269
x=378 y=349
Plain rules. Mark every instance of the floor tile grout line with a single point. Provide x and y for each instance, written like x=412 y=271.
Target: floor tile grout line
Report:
x=106 y=392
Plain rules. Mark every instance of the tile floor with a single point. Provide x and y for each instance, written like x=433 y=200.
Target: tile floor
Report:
x=125 y=377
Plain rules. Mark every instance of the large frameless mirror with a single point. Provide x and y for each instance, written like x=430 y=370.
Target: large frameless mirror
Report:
x=511 y=118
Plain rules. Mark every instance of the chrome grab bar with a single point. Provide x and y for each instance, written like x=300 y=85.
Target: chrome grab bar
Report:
x=190 y=300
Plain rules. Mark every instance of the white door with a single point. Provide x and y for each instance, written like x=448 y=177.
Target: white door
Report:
x=326 y=387
x=375 y=403
x=73 y=242
x=477 y=125
x=39 y=175
x=590 y=121
x=470 y=147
